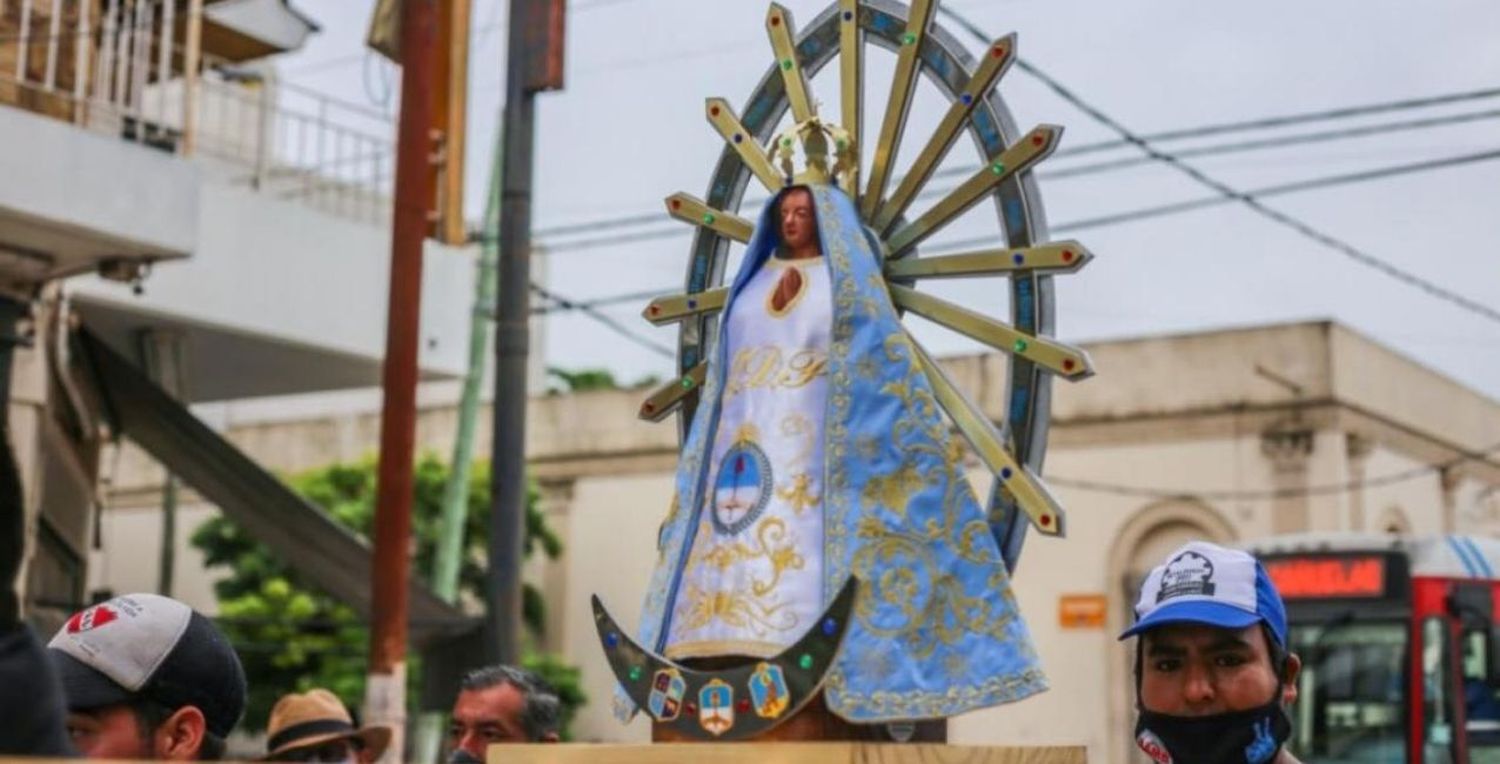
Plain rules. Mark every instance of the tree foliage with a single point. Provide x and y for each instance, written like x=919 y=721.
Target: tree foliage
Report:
x=292 y=637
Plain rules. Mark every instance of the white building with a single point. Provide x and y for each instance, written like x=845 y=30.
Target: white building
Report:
x=1176 y=437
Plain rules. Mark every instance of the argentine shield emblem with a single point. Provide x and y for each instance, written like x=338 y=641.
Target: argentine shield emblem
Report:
x=768 y=691
x=716 y=707
x=667 y=688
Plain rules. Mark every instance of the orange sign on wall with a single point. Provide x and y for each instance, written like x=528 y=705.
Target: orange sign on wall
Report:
x=1082 y=611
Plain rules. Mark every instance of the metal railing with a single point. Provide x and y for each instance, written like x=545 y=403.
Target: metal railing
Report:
x=105 y=66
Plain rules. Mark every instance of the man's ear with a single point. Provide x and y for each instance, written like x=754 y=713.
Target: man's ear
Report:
x=1289 y=680
x=180 y=737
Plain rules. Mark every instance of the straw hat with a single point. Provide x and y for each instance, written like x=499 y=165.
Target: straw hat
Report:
x=314 y=718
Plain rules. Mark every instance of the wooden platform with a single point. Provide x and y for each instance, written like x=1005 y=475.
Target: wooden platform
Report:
x=781 y=753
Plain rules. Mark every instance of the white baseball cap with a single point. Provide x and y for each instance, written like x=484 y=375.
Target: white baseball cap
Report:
x=1208 y=584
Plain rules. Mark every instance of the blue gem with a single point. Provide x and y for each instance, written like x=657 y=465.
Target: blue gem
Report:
x=967 y=99
x=830 y=627
x=1018 y=258
x=738 y=137
x=692 y=304
x=848 y=15
x=611 y=640
x=1005 y=473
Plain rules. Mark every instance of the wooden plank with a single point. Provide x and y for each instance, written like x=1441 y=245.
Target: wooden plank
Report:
x=782 y=753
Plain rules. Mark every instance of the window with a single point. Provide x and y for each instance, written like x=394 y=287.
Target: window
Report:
x=1437 y=673
x=1351 y=692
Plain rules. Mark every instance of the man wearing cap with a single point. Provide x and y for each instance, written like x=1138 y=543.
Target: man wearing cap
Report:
x=1213 y=675
x=146 y=677
x=315 y=726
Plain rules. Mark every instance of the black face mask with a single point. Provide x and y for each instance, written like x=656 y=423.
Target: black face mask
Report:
x=1253 y=736
x=460 y=756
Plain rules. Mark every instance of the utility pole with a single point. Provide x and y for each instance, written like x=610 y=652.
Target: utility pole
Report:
x=534 y=63
x=385 y=690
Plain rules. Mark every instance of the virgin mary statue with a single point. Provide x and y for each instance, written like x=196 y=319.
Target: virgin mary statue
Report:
x=818 y=452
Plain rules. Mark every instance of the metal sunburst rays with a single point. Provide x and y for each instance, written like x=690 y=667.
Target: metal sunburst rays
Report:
x=884 y=214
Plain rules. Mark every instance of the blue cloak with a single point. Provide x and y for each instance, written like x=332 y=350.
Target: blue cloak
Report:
x=936 y=629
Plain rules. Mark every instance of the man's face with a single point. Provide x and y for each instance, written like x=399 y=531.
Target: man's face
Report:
x=111 y=732
x=1193 y=670
x=483 y=717
x=798 y=226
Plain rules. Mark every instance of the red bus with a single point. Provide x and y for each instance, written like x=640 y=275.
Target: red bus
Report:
x=1398 y=644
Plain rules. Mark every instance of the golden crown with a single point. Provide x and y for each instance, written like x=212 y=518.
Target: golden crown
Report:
x=815 y=136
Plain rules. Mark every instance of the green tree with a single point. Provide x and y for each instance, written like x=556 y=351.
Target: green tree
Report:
x=292 y=637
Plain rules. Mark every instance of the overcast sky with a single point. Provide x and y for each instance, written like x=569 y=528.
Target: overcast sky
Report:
x=629 y=130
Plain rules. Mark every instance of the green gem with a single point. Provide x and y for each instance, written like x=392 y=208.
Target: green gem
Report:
x=786 y=64
x=786 y=143
x=687 y=383
x=842 y=144
x=909 y=38
x=635 y=673
x=997 y=168
x=805 y=662
x=1020 y=346
x=708 y=218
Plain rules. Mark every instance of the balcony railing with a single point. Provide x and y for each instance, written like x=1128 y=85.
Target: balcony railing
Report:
x=106 y=66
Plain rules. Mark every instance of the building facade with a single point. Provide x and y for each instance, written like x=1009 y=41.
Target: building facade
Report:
x=1227 y=435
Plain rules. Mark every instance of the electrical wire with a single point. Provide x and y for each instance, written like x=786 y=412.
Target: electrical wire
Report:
x=596 y=315
x=1281 y=218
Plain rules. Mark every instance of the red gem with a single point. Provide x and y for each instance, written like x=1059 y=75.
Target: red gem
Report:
x=655 y=309
x=648 y=408
x=775 y=21
x=1038 y=140
x=1046 y=520
x=690 y=708
x=676 y=204
x=1068 y=364
x=999 y=51
x=743 y=706
x=1067 y=255
x=713 y=111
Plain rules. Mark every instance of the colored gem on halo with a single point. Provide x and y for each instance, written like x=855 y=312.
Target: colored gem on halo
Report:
x=1046 y=520
x=830 y=627
x=1005 y=473
x=708 y=218
x=1038 y=140
x=612 y=640
x=1018 y=258
x=806 y=661
x=713 y=111
x=775 y=21
x=998 y=168
x=848 y=15
x=692 y=304
x=908 y=38
x=635 y=673
x=738 y=137
x=687 y=383
x=1068 y=364
x=1020 y=346
x=690 y=708
x=967 y=99
x=676 y=204
x=743 y=706
x=786 y=142
x=649 y=408
x=654 y=310
x=786 y=64
x=998 y=51
x=1067 y=255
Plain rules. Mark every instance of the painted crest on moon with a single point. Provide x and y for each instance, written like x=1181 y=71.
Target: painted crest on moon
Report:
x=768 y=691
x=667 y=689
x=716 y=707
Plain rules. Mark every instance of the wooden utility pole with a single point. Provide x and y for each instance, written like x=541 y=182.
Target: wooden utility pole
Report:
x=385 y=690
x=534 y=63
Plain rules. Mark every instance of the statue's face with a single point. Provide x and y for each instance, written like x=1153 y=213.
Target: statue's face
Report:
x=798 y=226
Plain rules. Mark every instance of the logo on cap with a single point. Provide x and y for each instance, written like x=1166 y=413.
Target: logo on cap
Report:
x=93 y=618
x=1187 y=573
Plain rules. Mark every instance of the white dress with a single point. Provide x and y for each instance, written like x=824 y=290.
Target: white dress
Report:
x=753 y=582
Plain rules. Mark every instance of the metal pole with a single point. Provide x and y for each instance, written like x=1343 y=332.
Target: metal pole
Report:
x=512 y=333
x=192 y=48
x=385 y=690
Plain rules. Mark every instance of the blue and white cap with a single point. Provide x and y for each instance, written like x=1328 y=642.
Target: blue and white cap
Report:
x=1207 y=584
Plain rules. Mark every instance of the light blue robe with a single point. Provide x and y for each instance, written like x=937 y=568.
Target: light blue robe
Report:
x=936 y=630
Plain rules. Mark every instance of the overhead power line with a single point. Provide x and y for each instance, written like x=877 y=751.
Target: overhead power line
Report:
x=1306 y=230
x=612 y=324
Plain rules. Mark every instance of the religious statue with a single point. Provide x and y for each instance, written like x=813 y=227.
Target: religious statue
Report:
x=823 y=537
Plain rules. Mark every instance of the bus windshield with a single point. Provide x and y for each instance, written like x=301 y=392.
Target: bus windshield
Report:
x=1350 y=705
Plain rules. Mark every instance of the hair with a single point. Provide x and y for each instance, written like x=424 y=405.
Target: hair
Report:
x=541 y=714
x=150 y=715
